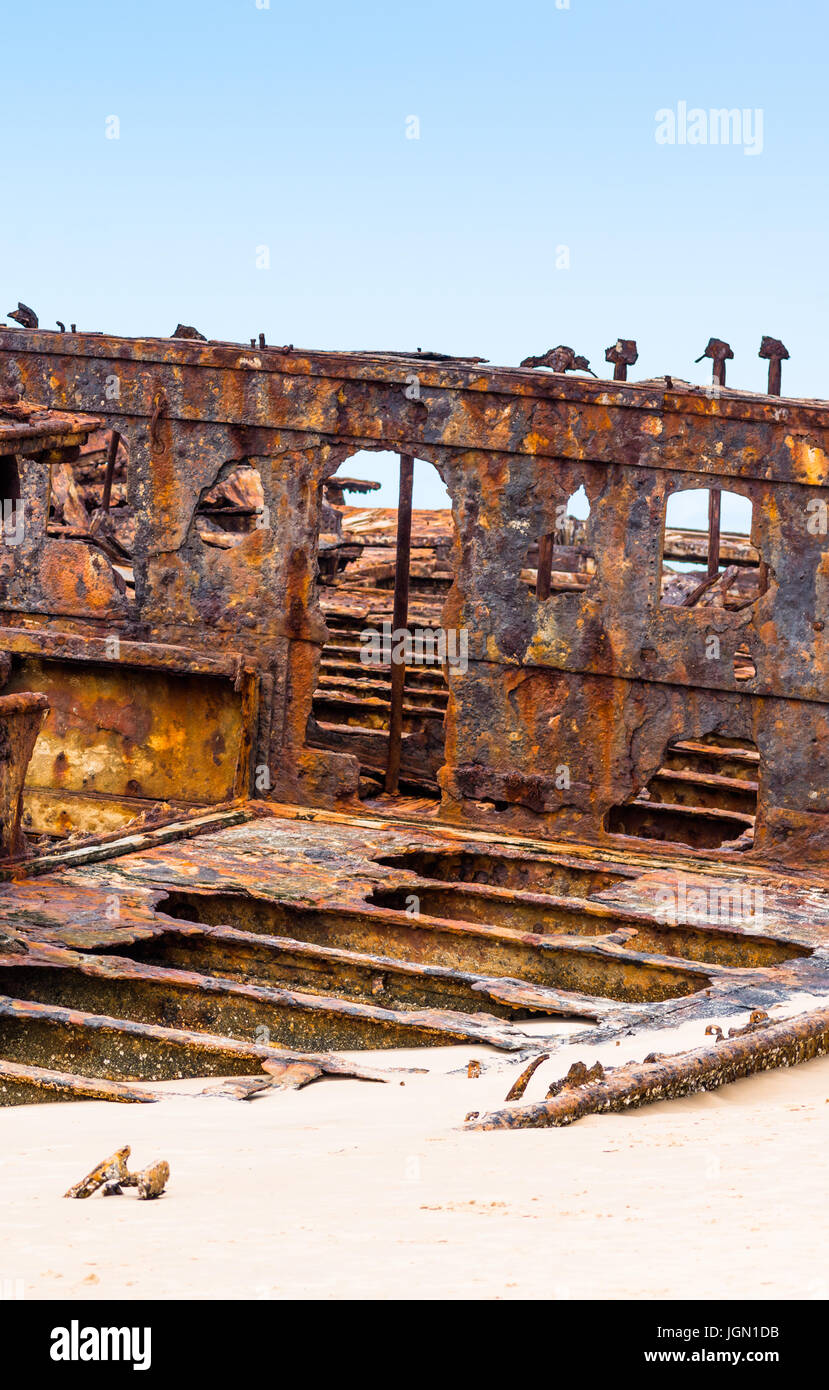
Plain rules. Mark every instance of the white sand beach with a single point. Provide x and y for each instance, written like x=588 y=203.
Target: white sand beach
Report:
x=348 y=1189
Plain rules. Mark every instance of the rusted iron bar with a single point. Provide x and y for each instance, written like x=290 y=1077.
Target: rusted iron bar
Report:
x=543 y=582
x=518 y=1087
x=719 y=352
x=112 y=454
x=22 y=1084
x=722 y=581
x=782 y=1044
x=773 y=351
x=622 y=354
x=714 y=510
x=400 y=620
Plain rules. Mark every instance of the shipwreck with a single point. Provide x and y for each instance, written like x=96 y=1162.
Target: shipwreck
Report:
x=240 y=839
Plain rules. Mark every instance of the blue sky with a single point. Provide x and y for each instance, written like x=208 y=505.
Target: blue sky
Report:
x=285 y=127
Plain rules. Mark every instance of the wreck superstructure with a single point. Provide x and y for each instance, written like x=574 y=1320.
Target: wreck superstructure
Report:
x=594 y=711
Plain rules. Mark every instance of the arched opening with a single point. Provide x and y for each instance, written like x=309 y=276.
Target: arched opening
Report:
x=88 y=502
x=562 y=561
x=382 y=692
x=232 y=507
x=710 y=558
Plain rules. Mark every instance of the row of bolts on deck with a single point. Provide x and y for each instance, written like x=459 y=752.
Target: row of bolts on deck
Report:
x=624 y=353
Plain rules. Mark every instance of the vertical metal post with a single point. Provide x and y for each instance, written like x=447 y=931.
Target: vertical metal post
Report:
x=545 y=567
x=714 y=501
x=400 y=620
x=112 y=454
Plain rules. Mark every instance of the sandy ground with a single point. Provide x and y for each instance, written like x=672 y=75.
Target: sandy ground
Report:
x=355 y=1190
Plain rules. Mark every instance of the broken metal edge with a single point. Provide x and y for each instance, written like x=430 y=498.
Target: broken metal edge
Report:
x=59 y=1085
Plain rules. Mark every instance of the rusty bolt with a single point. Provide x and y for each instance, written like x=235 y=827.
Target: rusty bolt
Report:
x=26 y=317
x=719 y=352
x=775 y=353
x=622 y=354
x=560 y=359
x=186 y=330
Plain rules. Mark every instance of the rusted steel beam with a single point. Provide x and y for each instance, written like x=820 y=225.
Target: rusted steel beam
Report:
x=714 y=510
x=376 y=979
x=26 y=1085
x=544 y=573
x=125 y=1048
x=132 y=994
x=112 y=454
x=72 y=646
x=171 y=826
x=552 y=916
x=781 y=1044
x=508 y=865
x=712 y=580
x=570 y=415
x=400 y=619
